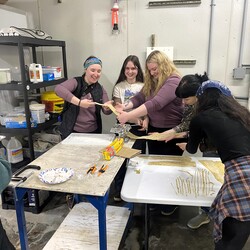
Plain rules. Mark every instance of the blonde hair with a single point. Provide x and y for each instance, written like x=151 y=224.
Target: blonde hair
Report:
x=166 y=68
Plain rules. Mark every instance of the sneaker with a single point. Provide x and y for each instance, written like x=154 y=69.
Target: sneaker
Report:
x=198 y=221
x=117 y=197
x=168 y=210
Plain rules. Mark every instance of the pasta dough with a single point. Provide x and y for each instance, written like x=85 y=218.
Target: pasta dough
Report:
x=166 y=160
x=217 y=168
x=155 y=136
x=112 y=109
x=109 y=106
x=173 y=163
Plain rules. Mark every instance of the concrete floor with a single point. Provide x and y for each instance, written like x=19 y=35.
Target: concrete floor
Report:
x=167 y=232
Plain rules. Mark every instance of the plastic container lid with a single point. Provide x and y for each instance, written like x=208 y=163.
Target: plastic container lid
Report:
x=37 y=106
x=50 y=96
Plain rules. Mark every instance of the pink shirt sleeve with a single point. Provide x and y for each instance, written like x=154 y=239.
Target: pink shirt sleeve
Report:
x=164 y=96
x=65 y=89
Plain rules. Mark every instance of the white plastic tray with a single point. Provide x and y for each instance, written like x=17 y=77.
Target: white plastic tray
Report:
x=157 y=184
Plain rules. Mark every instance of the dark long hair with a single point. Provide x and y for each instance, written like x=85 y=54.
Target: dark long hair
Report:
x=189 y=85
x=135 y=60
x=213 y=98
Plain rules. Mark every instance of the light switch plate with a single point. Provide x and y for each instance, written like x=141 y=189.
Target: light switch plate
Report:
x=239 y=73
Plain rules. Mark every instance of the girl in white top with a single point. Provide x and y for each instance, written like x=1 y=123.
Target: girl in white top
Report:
x=130 y=80
x=124 y=90
x=128 y=84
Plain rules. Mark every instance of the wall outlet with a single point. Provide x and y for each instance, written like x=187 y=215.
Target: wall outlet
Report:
x=169 y=51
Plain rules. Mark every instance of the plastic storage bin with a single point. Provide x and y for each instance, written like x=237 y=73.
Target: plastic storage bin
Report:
x=57 y=71
x=53 y=103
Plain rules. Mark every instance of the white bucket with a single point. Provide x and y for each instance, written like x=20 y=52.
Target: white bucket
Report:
x=38 y=112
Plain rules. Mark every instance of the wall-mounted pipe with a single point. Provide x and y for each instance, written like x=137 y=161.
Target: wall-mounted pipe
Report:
x=210 y=36
x=173 y=2
x=243 y=30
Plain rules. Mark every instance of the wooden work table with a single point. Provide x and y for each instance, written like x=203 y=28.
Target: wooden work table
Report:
x=79 y=152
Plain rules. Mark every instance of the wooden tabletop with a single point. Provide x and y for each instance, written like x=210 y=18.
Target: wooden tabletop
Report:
x=79 y=153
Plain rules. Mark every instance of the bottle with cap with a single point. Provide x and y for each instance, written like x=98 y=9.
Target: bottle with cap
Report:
x=35 y=73
x=14 y=150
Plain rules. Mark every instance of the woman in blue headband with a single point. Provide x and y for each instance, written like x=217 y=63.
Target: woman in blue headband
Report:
x=226 y=124
x=80 y=114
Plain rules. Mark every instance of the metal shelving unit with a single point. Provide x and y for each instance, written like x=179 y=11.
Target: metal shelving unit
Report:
x=25 y=86
x=31 y=86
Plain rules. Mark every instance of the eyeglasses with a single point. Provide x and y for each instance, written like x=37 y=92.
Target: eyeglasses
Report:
x=132 y=68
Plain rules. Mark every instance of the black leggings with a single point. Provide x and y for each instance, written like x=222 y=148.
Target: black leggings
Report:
x=234 y=234
x=161 y=147
x=139 y=144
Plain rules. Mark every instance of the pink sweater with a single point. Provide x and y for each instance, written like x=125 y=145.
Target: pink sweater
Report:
x=86 y=121
x=164 y=109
